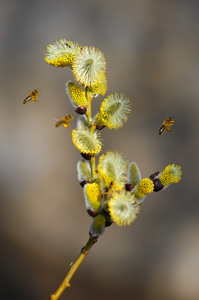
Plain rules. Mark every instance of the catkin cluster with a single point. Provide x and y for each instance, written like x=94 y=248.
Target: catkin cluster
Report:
x=113 y=188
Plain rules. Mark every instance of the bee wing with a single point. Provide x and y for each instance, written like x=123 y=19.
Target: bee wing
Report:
x=59 y=121
x=63 y=121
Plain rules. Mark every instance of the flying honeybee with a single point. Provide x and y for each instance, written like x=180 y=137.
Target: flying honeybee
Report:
x=166 y=125
x=63 y=121
x=31 y=97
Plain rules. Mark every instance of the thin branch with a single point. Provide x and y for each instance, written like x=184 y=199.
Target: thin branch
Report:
x=66 y=282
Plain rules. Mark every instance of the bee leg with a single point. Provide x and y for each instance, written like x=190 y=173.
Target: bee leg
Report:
x=168 y=130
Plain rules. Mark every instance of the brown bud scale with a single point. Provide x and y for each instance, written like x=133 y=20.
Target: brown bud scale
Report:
x=158 y=186
x=81 y=110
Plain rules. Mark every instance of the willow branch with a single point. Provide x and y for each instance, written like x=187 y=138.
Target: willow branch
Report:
x=66 y=282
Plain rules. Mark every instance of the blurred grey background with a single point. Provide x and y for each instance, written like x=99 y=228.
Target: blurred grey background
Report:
x=152 y=54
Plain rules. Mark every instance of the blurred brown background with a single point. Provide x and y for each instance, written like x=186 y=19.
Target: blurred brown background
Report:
x=152 y=54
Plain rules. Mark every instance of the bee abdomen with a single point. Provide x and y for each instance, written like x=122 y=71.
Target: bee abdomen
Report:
x=161 y=129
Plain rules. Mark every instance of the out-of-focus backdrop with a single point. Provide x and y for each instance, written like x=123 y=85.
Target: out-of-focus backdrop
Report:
x=152 y=54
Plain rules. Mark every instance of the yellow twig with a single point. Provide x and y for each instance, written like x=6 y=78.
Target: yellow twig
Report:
x=92 y=128
x=65 y=284
x=89 y=112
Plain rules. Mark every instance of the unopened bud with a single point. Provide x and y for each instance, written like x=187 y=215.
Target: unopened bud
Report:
x=81 y=110
x=108 y=223
x=158 y=186
x=152 y=176
x=86 y=156
x=98 y=226
x=100 y=127
x=92 y=213
x=106 y=214
x=128 y=187
x=84 y=182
